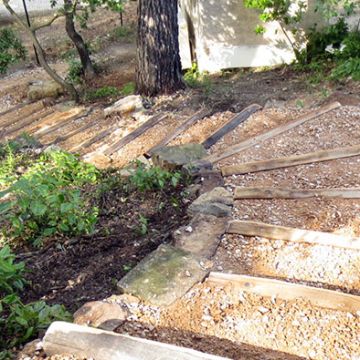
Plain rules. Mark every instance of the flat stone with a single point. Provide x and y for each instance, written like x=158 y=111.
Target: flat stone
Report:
x=198 y=166
x=174 y=157
x=164 y=276
x=44 y=89
x=216 y=195
x=211 y=180
x=205 y=236
x=216 y=209
x=101 y=314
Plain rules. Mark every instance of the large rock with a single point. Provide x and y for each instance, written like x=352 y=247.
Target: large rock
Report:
x=202 y=236
x=164 y=276
x=44 y=89
x=125 y=105
x=174 y=157
x=217 y=202
x=107 y=316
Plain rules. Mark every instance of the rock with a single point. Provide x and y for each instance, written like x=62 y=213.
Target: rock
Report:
x=30 y=348
x=101 y=314
x=205 y=236
x=164 y=276
x=211 y=180
x=44 y=89
x=98 y=159
x=216 y=202
x=196 y=167
x=125 y=105
x=174 y=157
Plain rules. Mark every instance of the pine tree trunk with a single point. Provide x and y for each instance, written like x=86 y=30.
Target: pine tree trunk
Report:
x=158 y=58
x=78 y=41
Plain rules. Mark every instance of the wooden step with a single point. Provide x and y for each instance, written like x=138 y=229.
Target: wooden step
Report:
x=253 y=228
x=70 y=339
x=287 y=291
x=288 y=193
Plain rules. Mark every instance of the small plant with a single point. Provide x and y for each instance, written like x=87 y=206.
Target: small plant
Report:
x=11 y=49
x=194 y=79
x=128 y=89
x=143 y=225
x=121 y=32
x=347 y=69
x=47 y=200
x=75 y=72
x=152 y=178
x=19 y=322
x=104 y=92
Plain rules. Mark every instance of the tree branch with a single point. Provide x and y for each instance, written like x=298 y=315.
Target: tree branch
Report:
x=57 y=16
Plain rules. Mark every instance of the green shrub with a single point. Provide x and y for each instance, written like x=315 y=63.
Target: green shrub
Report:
x=75 y=71
x=122 y=32
x=11 y=49
x=48 y=200
x=128 y=89
x=347 y=69
x=20 y=323
x=194 y=79
x=152 y=178
x=101 y=93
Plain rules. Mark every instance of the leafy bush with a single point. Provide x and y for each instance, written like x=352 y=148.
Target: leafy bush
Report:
x=75 y=72
x=194 y=79
x=101 y=93
x=152 y=178
x=347 y=69
x=18 y=322
x=128 y=89
x=47 y=200
x=11 y=49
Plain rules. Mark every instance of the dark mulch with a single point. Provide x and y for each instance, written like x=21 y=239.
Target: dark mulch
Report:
x=78 y=270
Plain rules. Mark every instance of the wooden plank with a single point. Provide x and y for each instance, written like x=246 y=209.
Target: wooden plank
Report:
x=77 y=131
x=38 y=116
x=135 y=134
x=95 y=138
x=22 y=113
x=272 y=133
x=85 y=342
x=323 y=298
x=44 y=132
x=317 y=156
x=253 y=228
x=201 y=114
x=231 y=125
x=287 y=193
x=14 y=108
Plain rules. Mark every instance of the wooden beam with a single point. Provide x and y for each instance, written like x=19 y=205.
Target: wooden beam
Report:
x=23 y=112
x=253 y=228
x=234 y=122
x=44 y=132
x=202 y=113
x=135 y=134
x=272 y=133
x=317 y=156
x=323 y=298
x=85 y=342
x=22 y=124
x=287 y=193
x=14 y=108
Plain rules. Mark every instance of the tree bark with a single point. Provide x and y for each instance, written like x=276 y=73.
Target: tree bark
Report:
x=78 y=41
x=158 y=58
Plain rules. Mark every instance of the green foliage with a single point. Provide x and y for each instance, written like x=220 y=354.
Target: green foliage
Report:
x=19 y=322
x=48 y=200
x=347 y=69
x=152 y=178
x=194 y=79
x=142 y=225
x=11 y=49
x=104 y=92
x=122 y=32
x=128 y=89
x=75 y=71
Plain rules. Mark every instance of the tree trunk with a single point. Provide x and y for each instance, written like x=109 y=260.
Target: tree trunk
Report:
x=68 y=87
x=78 y=41
x=158 y=58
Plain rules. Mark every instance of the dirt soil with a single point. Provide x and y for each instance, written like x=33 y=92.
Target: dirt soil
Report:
x=75 y=271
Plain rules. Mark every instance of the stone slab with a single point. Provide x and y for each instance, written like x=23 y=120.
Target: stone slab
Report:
x=174 y=157
x=202 y=236
x=164 y=276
